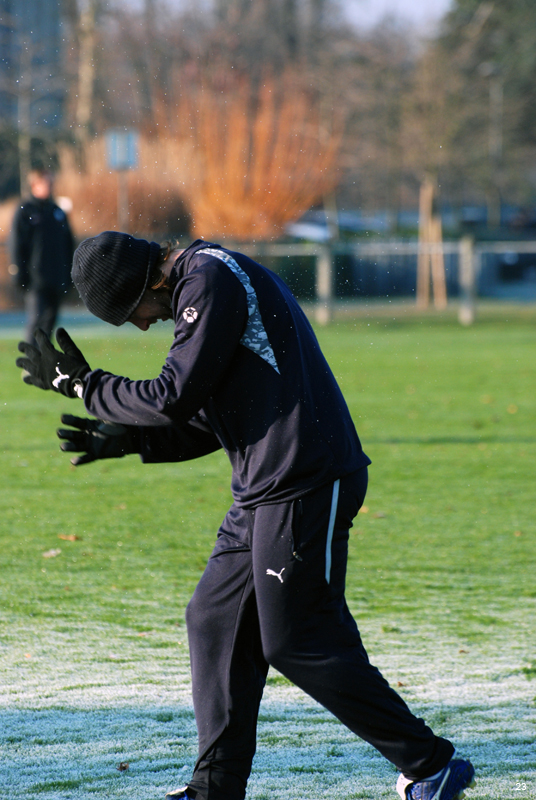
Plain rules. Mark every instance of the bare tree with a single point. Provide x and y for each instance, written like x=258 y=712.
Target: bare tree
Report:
x=485 y=70
x=86 y=35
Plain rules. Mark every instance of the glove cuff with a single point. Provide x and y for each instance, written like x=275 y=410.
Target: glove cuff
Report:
x=123 y=440
x=77 y=385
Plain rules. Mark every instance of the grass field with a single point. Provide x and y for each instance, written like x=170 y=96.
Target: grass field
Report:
x=93 y=649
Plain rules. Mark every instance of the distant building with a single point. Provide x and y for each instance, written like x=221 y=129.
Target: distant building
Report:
x=32 y=85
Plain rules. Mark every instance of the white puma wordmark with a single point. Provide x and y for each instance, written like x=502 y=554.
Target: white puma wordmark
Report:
x=276 y=574
x=56 y=382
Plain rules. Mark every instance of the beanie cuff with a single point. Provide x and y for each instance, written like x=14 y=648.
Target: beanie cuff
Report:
x=154 y=252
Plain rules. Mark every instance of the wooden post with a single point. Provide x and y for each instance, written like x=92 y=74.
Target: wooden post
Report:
x=466 y=281
x=426 y=196
x=439 y=281
x=324 y=285
x=332 y=216
x=430 y=260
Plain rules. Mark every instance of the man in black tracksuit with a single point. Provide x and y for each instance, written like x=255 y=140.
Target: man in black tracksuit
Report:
x=244 y=373
x=41 y=252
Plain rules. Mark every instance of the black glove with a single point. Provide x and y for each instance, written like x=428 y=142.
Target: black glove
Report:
x=49 y=368
x=96 y=439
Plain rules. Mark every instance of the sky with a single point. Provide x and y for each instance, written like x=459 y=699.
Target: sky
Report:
x=423 y=14
x=420 y=14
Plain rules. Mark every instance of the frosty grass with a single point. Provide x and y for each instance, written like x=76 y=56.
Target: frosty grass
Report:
x=75 y=704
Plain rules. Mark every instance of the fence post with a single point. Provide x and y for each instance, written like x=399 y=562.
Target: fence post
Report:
x=466 y=281
x=324 y=285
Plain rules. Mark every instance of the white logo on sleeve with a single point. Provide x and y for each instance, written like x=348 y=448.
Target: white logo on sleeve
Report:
x=276 y=574
x=56 y=382
x=190 y=314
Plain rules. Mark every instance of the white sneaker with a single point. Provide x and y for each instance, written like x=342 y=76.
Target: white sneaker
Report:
x=178 y=794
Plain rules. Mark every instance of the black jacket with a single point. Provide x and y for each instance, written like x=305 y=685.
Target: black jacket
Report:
x=245 y=372
x=41 y=246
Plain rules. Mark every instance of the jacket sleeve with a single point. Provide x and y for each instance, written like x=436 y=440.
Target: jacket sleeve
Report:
x=210 y=312
x=20 y=241
x=177 y=442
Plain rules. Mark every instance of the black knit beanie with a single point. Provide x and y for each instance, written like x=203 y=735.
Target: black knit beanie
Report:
x=111 y=272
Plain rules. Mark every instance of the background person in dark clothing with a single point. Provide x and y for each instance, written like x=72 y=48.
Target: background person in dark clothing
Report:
x=41 y=253
x=245 y=373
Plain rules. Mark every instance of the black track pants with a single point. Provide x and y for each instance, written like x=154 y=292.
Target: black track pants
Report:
x=273 y=593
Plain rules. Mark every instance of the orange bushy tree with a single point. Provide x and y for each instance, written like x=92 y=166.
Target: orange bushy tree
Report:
x=259 y=156
x=239 y=160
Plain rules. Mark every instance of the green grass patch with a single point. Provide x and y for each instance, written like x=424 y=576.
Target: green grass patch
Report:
x=447 y=414
x=530 y=671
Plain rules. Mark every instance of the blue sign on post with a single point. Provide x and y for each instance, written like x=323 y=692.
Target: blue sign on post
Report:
x=122 y=149
x=122 y=154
